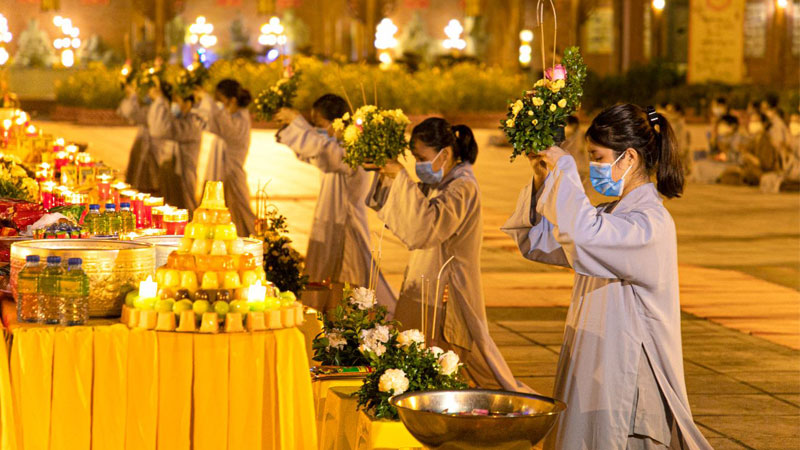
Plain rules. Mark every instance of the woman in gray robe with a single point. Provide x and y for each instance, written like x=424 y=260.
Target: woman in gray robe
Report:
x=180 y=172
x=148 y=153
x=437 y=220
x=621 y=365
x=232 y=124
x=339 y=247
x=203 y=106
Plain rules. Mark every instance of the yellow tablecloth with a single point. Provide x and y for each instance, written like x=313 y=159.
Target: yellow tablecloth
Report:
x=338 y=424
x=373 y=434
x=108 y=387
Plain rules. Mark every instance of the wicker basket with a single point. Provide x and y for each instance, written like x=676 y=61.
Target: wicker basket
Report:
x=113 y=267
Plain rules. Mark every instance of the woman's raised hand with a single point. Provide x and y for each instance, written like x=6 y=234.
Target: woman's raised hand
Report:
x=390 y=169
x=285 y=116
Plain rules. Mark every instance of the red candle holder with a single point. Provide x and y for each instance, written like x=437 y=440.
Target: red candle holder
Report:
x=104 y=188
x=175 y=221
x=142 y=220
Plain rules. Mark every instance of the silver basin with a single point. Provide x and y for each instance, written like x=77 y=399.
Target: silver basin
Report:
x=427 y=415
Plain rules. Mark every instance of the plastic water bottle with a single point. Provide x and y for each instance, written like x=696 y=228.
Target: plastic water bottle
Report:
x=113 y=219
x=94 y=221
x=127 y=217
x=49 y=295
x=74 y=294
x=28 y=290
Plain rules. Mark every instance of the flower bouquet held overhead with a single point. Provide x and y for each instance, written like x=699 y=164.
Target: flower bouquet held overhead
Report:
x=280 y=95
x=372 y=136
x=536 y=121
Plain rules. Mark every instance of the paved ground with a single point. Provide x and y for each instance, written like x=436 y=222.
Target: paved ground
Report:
x=740 y=256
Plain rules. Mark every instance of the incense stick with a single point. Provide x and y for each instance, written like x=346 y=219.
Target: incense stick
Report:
x=422 y=304
x=436 y=295
x=344 y=89
x=363 y=94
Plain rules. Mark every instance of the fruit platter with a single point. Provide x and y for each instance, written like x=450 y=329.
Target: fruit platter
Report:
x=210 y=283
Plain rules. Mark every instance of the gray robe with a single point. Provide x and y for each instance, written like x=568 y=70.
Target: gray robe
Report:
x=624 y=307
x=186 y=131
x=339 y=245
x=214 y=169
x=435 y=224
x=155 y=149
x=234 y=129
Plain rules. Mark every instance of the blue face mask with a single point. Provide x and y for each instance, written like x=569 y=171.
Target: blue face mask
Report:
x=425 y=171
x=600 y=177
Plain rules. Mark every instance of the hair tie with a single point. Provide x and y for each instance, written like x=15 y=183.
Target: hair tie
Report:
x=652 y=119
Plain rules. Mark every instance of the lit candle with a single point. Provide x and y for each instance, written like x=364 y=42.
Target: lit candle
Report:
x=48 y=198
x=30 y=131
x=256 y=293
x=104 y=187
x=148 y=288
x=7 y=124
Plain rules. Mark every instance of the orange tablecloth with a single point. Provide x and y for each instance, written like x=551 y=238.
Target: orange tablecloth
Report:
x=108 y=387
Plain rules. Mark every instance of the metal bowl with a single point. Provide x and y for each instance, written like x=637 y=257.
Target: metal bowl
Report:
x=428 y=416
x=166 y=244
x=113 y=267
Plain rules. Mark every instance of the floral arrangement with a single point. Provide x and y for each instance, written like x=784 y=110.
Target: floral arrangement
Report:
x=196 y=75
x=536 y=121
x=278 y=96
x=372 y=135
x=148 y=78
x=283 y=264
x=402 y=363
x=338 y=343
x=15 y=181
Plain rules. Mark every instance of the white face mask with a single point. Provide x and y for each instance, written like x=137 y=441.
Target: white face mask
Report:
x=755 y=127
x=718 y=111
x=794 y=128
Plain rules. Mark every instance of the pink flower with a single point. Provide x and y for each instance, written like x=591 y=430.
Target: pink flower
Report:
x=556 y=73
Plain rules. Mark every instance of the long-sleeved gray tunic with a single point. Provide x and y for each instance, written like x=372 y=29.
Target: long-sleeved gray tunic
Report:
x=339 y=246
x=624 y=307
x=443 y=221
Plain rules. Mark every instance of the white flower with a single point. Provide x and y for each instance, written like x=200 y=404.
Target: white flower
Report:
x=335 y=340
x=363 y=298
x=449 y=363
x=372 y=340
x=406 y=338
x=436 y=351
x=393 y=381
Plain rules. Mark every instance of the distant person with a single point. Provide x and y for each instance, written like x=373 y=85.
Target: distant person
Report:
x=677 y=118
x=620 y=371
x=231 y=122
x=719 y=107
x=151 y=147
x=778 y=131
x=762 y=157
x=339 y=246
x=726 y=153
x=187 y=131
x=792 y=160
x=203 y=105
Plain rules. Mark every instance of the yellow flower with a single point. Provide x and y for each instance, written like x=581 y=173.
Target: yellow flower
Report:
x=510 y=123
x=516 y=107
x=530 y=113
x=338 y=124
x=537 y=101
x=562 y=103
x=552 y=107
x=346 y=116
x=557 y=85
x=351 y=134
x=535 y=122
x=17 y=171
x=377 y=119
x=540 y=83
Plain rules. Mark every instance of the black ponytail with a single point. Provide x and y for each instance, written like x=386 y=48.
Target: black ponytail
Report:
x=230 y=88
x=669 y=171
x=437 y=133
x=466 y=148
x=625 y=126
x=243 y=97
